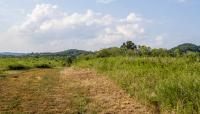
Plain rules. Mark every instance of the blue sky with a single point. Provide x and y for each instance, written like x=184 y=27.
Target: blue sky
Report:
x=55 y=25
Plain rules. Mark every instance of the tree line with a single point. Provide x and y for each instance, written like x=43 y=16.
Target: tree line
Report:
x=129 y=48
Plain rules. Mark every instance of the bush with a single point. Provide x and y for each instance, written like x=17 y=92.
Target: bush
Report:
x=43 y=66
x=109 y=52
x=103 y=53
x=69 y=62
x=18 y=67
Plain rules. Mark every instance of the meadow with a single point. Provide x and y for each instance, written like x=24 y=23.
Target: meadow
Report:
x=63 y=91
x=170 y=84
x=163 y=81
x=10 y=64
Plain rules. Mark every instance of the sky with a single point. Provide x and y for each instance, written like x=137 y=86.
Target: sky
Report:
x=57 y=25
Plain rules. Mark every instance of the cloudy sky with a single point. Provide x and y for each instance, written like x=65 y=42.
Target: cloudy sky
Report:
x=56 y=25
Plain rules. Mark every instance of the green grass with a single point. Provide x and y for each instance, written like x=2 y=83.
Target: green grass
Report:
x=173 y=84
x=22 y=63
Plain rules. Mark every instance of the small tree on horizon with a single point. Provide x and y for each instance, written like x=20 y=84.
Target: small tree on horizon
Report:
x=129 y=45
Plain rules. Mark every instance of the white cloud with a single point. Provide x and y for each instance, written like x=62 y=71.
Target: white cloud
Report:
x=48 y=29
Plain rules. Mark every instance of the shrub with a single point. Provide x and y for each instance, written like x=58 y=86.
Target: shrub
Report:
x=109 y=52
x=43 y=66
x=69 y=61
x=103 y=53
x=17 y=67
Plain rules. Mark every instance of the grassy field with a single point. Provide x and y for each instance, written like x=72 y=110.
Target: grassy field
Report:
x=167 y=84
x=64 y=91
x=170 y=84
x=8 y=64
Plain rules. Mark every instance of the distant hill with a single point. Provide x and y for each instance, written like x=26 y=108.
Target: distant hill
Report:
x=187 y=47
x=73 y=52
x=12 y=54
x=69 y=53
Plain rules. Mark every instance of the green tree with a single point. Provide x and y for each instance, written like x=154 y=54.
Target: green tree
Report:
x=129 y=45
x=144 y=50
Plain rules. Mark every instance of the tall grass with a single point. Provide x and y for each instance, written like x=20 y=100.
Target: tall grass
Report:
x=20 y=63
x=170 y=84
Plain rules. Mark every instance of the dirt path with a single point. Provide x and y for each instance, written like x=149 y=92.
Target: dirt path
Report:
x=104 y=95
x=67 y=91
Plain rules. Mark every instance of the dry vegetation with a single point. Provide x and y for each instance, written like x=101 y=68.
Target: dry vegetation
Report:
x=63 y=91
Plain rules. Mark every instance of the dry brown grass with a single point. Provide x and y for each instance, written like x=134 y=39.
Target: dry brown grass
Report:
x=104 y=95
x=68 y=91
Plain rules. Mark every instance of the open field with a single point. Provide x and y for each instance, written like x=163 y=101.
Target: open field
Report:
x=99 y=57
x=65 y=91
x=31 y=61
x=12 y=64
x=170 y=84
x=131 y=79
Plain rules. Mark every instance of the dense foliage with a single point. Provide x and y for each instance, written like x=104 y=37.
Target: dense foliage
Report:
x=130 y=49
